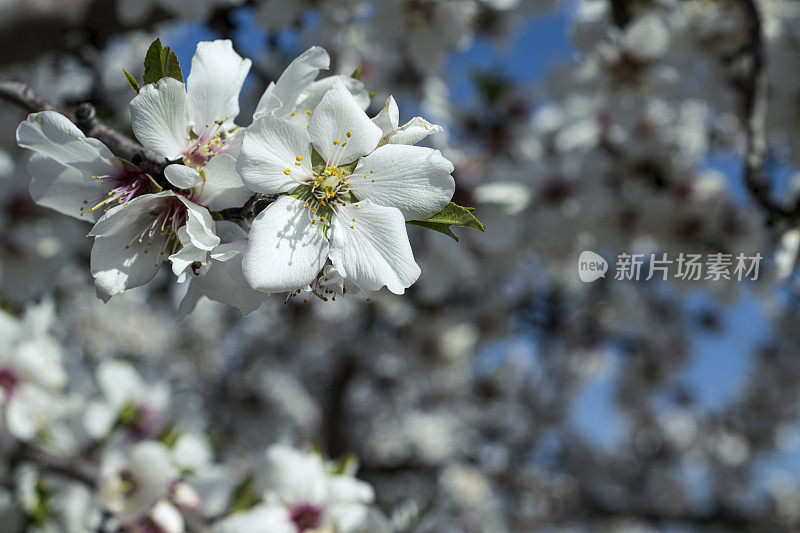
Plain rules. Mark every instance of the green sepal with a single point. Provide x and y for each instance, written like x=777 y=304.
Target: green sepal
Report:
x=348 y=169
x=161 y=62
x=451 y=215
x=127 y=165
x=169 y=435
x=299 y=193
x=317 y=161
x=356 y=75
x=372 y=94
x=246 y=495
x=153 y=183
x=345 y=465
x=40 y=514
x=128 y=414
x=131 y=81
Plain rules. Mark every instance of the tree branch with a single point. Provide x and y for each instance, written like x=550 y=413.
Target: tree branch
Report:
x=23 y=96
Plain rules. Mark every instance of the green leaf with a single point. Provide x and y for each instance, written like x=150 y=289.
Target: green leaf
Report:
x=451 y=215
x=356 y=75
x=153 y=67
x=161 y=62
x=131 y=81
x=441 y=228
x=172 y=68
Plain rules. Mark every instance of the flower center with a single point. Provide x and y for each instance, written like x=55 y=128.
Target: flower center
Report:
x=324 y=192
x=9 y=380
x=213 y=140
x=124 y=187
x=163 y=229
x=127 y=483
x=306 y=516
x=141 y=421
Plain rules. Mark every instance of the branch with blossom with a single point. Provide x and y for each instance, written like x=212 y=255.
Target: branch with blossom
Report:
x=313 y=197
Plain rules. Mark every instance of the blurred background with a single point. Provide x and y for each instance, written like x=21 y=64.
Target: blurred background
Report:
x=501 y=393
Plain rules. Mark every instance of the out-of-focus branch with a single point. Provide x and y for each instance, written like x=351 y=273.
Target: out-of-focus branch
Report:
x=23 y=96
x=754 y=109
x=76 y=470
x=724 y=519
x=620 y=12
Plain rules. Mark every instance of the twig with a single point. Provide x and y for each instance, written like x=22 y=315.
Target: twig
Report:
x=23 y=96
x=251 y=208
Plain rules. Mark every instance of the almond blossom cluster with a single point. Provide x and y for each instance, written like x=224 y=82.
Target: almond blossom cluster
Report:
x=341 y=185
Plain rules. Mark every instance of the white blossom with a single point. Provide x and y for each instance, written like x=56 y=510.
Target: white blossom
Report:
x=364 y=235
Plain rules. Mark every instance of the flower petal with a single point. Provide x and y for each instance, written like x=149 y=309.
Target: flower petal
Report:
x=199 y=225
x=286 y=251
x=120 y=218
x=224 y=280
x=279 y=99
x=64 y=189
x=223 y=187
x=52 y=134
x=276 y=155
x=214 y=83
x=312 y=96
x=158 y=117
x=413 y=131
x=340 y=131
x=118 y=260
x=413 y=179
x=186 y=256
x=373 y=250
x=388 y=118
x=183 y=177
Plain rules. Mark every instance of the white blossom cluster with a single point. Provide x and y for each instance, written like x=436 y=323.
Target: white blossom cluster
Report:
x=336 y=225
